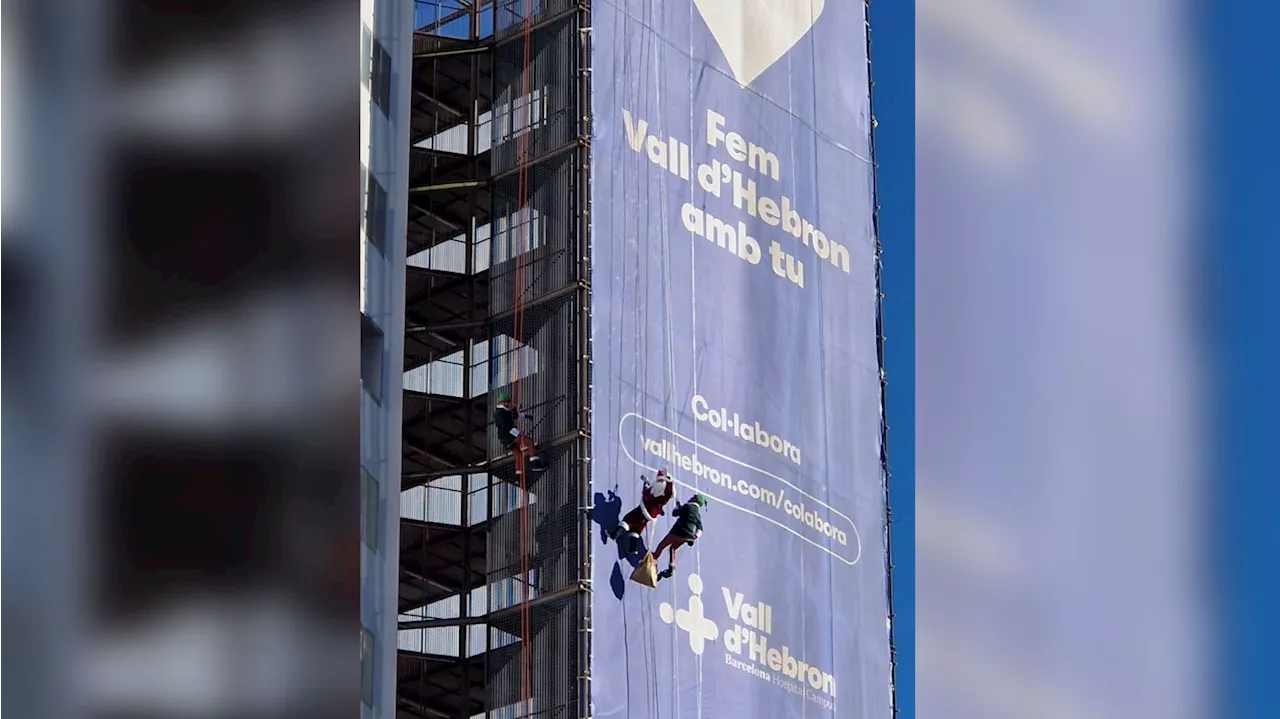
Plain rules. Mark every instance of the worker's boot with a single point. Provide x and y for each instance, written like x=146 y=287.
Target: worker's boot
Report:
x=666 y=573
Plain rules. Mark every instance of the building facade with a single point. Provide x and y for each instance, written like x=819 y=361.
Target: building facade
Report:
x=614 y=215
x=386 y=44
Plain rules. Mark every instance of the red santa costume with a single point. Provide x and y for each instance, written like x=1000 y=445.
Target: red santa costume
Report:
x=653 y=498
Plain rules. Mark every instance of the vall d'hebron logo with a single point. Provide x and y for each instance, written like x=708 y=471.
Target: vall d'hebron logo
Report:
x=747 y=645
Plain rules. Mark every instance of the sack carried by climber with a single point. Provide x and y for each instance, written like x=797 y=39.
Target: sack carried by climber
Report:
x=646 y=572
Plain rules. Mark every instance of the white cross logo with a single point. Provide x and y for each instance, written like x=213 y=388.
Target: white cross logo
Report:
x=701 y=630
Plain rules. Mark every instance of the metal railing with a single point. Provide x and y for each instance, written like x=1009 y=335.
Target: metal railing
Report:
x=454 y=19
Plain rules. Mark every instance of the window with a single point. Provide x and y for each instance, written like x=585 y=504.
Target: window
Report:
x=364 y=191
x=371 y=352
x=369 y=502
x=375 y=210
x=366 y=666
x=366 y=54
x=380 y=89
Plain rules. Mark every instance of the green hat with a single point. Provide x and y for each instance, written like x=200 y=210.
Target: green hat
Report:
x=701 y=499
x=504 y=396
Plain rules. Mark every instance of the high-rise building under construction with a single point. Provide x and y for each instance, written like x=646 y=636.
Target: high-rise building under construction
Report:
x=638 y=236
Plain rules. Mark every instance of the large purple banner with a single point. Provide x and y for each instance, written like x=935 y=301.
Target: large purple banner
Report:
x=734 y=345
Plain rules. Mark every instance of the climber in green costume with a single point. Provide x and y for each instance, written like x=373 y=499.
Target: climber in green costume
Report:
x=686 y=530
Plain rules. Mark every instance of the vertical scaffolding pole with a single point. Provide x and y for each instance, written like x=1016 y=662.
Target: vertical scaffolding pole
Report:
x=464 y=595
x=582 y=215
x=468 y=390
x=490 y=630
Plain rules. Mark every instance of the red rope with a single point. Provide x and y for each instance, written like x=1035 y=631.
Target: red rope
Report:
x=522 y=210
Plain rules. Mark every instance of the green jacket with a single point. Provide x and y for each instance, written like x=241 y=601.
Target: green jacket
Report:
x=688 y=521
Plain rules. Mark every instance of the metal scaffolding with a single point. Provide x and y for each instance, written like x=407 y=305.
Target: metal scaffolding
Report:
x=494 y=595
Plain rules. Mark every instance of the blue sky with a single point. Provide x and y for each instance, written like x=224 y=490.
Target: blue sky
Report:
x=892 y=69
x=1240 y=73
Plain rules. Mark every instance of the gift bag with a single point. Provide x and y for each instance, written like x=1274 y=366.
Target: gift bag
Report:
x=646 y=571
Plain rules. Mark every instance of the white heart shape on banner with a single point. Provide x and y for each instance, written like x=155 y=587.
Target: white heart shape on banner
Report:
x=754 y=34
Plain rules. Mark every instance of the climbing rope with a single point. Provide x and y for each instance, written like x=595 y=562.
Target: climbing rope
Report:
x=655 y=693
x=522 y=209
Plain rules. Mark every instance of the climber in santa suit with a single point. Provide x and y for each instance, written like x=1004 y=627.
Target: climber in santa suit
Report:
x=653 y=498
x=686 y=530
x=506 y=416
